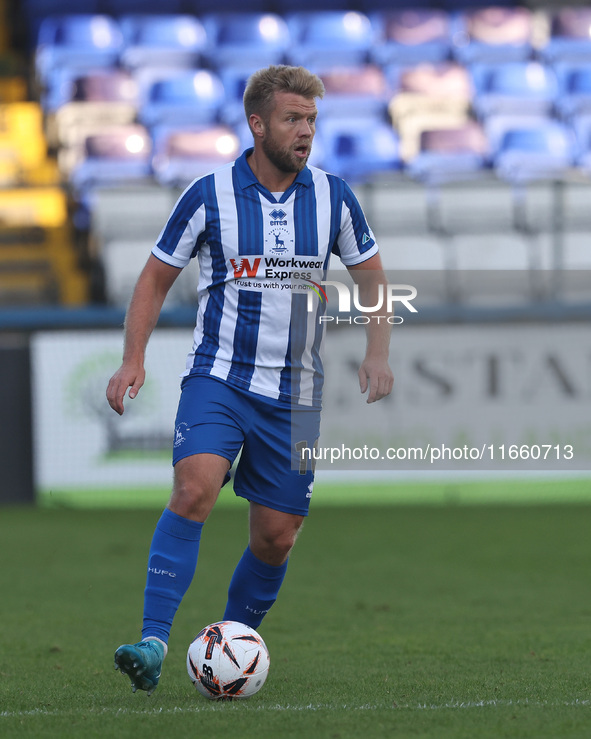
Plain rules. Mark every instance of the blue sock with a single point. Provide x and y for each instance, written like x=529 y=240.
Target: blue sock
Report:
x=171 y=566
x=253 y=590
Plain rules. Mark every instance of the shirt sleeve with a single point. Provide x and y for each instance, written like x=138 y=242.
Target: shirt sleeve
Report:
x=181 y=237
x=356 y=242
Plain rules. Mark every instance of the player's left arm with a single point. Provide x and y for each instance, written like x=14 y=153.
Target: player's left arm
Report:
x=374 y=372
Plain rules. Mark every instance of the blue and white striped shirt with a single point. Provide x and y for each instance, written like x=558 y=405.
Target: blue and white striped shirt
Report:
x=257 y=253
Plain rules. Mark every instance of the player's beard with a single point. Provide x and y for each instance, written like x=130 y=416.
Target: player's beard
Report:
x=284 y=158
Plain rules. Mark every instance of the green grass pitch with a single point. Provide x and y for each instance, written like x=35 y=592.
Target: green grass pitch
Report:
x=436 y=621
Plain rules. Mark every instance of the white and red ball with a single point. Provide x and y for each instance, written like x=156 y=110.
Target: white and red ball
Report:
x=228 y=660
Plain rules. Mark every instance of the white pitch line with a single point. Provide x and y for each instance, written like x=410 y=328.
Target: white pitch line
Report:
x=454 y=705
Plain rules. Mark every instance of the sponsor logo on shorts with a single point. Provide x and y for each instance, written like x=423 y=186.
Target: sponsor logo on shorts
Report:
x=179 y=434
x=310 y=488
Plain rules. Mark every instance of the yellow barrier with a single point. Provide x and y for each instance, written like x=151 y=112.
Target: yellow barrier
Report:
x=45 y=207
x=21 y=134
x=38 y=259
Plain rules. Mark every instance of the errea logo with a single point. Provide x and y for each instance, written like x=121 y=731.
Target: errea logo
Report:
x=278 y=217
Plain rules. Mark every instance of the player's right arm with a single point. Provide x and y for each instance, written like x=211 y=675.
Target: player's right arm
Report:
x=151 y=289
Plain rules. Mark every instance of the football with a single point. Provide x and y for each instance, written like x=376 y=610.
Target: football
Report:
x=228 y=660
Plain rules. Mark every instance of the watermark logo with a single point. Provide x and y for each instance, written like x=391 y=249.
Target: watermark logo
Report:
x=349 y=301
x=315 y=287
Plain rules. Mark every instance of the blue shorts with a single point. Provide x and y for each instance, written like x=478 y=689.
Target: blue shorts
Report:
x=217 y=418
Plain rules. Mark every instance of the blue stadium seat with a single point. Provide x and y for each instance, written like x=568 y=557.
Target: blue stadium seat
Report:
x=118 y=156
x=529 y=147
x=182 y=154
x=513 y=87
x=104 y=85
x=326 y=37
x=189 y=96
x=59 y=88
x=570 y=36
x=493 y=34
x=162 y=40
x=33 y=12
x=582 y=129
x=356 y=150
x=574 y=89
x=234 y=78
x=362 y=91
x=252 y=39
x=97 y=101
x=411 y=36
x=80 y=42
x=66 y=84
x=450 y=155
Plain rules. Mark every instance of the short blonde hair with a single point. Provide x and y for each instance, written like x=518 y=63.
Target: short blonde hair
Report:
x=259 y=95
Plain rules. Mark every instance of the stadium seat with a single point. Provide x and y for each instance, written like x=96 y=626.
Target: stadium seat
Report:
x=450 y=155
x=252 y=39
x=234 y=78
x=493 y=34
x=363 y=89
x=59 y=88
x=81 y=42
x=426 y=87
x=101 y=85
x=570 y=36
x=582 y=129
x=409 y=37
x=429 y=97
x=324 y=37
x=355 y=150
x=513 y=87
x=187 y=97
x=97 y=101
x=162 y=40
x=182 y=154
x=33 y=12
x=135 y=212
x=120 y=155
x=574 y=89
x=525 y=148
x=105 y=86
x=121 y=261
x=74 y=122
